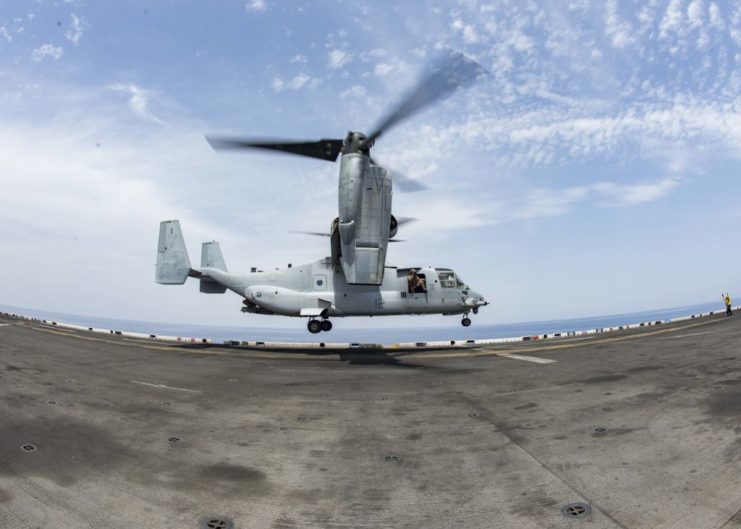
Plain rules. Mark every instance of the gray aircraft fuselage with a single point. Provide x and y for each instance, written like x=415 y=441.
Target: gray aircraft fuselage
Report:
x=319 y=290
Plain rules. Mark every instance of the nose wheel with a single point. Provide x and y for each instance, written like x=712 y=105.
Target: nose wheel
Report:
x=466 y=321
x=317 y=326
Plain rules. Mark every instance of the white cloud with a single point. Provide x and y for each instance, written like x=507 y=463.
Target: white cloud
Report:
x=735 y=25
x=94 y=215
x=356 y=91
x=519 y=41
x=382 y=69
x=277 y=84
x=6 y=34
x=299 y=58
x=534 y=204
x=138 y=100
x=74 y=33
x=547 y=202
x=420 y=53
x=716 y=20
x=542 y=137
x=470 y=36
x=672 y=19
x=256 y=6
x=614 y=194
x=617 y=29
x=695 y=13
x=337 y=59
x=647 y=15
x=47 y=50
x=540 y=203
x=299 y=81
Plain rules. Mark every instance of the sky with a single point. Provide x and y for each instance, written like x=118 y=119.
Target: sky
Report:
x=594 y=170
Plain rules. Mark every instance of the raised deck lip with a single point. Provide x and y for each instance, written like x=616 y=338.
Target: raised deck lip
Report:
x=329 y=346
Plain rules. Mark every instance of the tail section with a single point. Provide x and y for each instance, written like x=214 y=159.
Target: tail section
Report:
x=211 y=257
x=173 y=265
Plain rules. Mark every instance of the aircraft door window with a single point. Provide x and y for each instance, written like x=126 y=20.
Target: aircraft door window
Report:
x=416 y=283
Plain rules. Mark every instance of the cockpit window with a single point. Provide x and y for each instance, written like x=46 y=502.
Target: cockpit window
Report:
x=447 y=279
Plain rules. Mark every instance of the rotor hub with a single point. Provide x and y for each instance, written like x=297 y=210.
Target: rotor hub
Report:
x=356 y=142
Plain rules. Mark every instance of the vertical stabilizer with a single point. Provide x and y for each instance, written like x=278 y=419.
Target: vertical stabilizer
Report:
x=173 y=264
x=211 y=256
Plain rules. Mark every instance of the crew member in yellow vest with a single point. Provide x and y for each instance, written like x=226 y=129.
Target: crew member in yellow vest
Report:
x=727 y=301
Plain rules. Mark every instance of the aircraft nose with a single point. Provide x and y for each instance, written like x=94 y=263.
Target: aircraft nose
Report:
x=475 y=299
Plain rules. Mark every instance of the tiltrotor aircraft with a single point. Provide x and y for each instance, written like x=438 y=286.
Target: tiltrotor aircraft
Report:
x=355 y=280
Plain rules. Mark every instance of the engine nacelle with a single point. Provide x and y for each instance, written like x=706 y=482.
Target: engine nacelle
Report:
x=393 y=228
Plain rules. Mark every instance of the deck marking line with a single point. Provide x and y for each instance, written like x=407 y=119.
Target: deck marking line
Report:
x=177 y=348
x=534 y=359
x=162 y=386
x=686 y=335
x=496 y=352
x=4 y=324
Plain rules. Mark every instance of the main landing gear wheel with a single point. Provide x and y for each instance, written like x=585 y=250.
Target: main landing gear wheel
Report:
x=326 y=325
x=314 y=326
x=466 y=321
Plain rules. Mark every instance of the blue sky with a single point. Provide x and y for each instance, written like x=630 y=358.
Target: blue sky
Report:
x=595 y=171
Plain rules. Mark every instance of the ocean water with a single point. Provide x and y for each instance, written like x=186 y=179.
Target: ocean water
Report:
x=378 y=335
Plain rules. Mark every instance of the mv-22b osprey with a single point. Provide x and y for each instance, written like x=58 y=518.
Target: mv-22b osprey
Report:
x=355 y=280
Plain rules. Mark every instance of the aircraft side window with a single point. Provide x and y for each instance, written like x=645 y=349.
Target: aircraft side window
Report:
x=416 y=283
x=421 y=285
x=447 y=279
x=411 y=281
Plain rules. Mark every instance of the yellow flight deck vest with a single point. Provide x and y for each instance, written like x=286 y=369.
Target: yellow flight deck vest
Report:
x=728 y=300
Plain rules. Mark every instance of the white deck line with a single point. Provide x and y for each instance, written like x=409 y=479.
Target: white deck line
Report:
x=162 y=386
x=533 y=359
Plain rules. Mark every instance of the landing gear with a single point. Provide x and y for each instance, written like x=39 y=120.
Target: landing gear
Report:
x=466 y=321
x=317 y=326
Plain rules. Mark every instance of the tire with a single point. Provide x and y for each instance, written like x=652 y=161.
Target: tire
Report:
x=326 y=325
x=466 y=322
x=314 y=326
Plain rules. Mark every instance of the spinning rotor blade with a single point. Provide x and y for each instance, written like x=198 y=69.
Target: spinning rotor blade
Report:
x=325 y=149
x=400 y=221
x=320 y=234
x=317 y=233
x=454 y=70
x=404 y=183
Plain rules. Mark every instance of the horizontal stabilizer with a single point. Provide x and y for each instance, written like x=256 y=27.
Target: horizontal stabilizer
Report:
x=173 y=265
